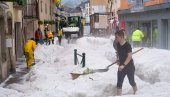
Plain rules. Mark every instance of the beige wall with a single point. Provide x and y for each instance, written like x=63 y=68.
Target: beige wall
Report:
x=44 y=9
x=103 y=21
x=98 y=3
x=100 y=6
x=11 y=16
x=46 y=12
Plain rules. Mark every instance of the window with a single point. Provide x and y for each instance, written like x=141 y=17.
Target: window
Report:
x=96 y=18
x=138 y=6
x=46 y=8
x=50 y=9
x=139 y=2
x=136 y=1
x=131 y=1
x=41 y=6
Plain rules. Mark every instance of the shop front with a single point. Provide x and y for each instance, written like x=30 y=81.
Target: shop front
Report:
x=154 y=21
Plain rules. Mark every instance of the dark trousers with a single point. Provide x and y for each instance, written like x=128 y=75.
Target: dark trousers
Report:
x=49 y=41
x=121 y=75
x=59 y=39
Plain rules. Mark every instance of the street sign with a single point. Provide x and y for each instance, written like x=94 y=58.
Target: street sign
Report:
x=137 y=6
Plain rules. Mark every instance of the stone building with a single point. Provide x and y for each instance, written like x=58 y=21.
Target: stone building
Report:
x=10 y=36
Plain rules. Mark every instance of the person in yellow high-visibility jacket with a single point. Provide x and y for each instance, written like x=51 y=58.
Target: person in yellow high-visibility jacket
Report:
x=137 y=37
x=59 y=35
x=29 y=48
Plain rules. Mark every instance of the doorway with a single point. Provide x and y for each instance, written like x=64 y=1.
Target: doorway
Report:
x=18 y=40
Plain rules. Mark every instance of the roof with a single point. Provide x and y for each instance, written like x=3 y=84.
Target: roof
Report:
x=83 y=4
x=76 y=10
x=68 y=9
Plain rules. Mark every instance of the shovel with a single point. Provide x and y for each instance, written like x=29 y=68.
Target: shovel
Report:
x=76 y=75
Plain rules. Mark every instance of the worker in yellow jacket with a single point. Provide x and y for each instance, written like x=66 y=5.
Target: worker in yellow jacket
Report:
x=137 y=37
x=59 y=35
x=29 y=48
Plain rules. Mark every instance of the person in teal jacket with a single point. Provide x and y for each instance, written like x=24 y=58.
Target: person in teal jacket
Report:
x=137 y=37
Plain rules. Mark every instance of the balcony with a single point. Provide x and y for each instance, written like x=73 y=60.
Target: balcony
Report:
x=31 y=11
x=17 y=6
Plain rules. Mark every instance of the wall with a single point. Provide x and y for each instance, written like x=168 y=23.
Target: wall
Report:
x=46 y=12
x=97 y=3
x=2 y=45
x=153 y=2
x=124 y=3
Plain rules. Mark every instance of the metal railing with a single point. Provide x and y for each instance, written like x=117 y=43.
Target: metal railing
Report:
x=76 y=58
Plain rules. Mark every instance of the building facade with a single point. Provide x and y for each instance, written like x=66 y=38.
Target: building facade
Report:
x=18 y=22
x=103 y=16
x=98 y=17
x=151 y=16
x=36 y=11
x=85 y=9
x=112 y=7
x=10 y=37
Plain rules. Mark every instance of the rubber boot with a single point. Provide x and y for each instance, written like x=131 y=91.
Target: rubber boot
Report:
x=119 y=92
x=134 y=89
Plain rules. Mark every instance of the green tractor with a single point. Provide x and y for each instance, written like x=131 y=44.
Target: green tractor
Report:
x=74 y=26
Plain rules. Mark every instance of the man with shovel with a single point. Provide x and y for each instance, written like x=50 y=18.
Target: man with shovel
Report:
x=126 y=65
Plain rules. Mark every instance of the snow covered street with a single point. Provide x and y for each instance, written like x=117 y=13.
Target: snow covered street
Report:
x=50 y=76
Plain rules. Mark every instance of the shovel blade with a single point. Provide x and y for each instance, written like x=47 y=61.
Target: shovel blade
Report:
x=75 y=75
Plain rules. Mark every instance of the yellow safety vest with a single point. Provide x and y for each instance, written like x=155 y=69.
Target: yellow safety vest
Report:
x=137 y=35
x=60 y=32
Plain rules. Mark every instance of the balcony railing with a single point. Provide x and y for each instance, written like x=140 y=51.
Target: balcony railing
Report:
x=31 y=11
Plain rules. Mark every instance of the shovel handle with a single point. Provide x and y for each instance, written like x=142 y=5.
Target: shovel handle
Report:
x=132 y=53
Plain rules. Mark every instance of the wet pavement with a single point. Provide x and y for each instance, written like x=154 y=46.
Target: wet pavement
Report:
x=21 y=70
